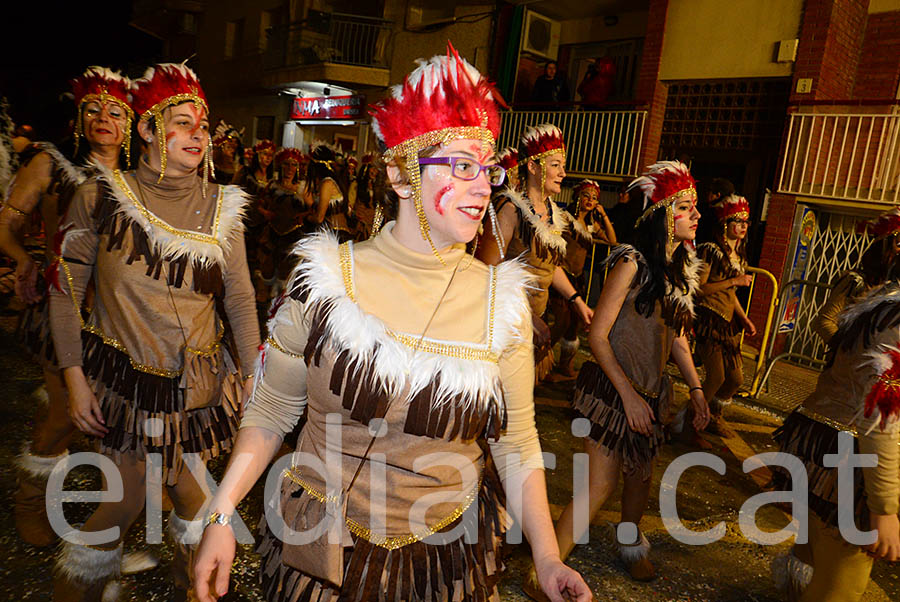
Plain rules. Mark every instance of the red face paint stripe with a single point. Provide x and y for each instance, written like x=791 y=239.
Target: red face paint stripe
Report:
x=440 y=195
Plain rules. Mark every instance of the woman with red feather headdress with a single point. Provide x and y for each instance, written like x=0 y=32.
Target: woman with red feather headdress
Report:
x=46 y=184
x=720 y=318
x=416 y=354
x=641 y=320
x=150 y=375
x=855 y=408
x=530 y=224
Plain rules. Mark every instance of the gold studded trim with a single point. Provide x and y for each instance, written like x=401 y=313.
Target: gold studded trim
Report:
x=644 y=391
x=176 y=99
x=274 y=344
x=553 y=151
x=150 y=217
x=667 y=202
x=838 y=426
x=397 y=542
x=104 y=97
x=417 y=343
x=423 y=141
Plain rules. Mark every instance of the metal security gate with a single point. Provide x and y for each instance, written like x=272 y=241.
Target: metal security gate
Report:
x=836 y=247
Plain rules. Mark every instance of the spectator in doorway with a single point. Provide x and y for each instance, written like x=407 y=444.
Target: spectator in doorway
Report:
x=718 y=189
x=550 y=88
x=625 y=212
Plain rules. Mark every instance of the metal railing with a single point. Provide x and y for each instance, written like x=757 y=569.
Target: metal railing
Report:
x=850 y=156
x=759 y=356
x=335 y=38
x=598 y=143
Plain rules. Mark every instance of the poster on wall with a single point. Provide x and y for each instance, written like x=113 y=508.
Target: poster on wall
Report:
x=798 y=271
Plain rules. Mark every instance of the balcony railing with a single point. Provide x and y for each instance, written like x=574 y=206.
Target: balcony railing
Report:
x=851 y=156
x=599 y=143
x=336 y=38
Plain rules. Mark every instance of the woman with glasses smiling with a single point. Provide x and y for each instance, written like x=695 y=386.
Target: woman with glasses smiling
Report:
x=418 y=356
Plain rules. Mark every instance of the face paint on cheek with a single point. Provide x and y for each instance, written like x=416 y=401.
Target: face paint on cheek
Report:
x=170 y=141
x=441 y=197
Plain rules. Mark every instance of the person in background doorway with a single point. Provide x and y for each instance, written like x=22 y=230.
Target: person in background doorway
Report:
x=550 y=88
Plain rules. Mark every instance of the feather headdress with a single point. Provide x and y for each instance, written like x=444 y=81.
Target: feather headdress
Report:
x=103 y=85
x=664 y=184
x=732 y=207
x=886 y=224
x=539 y=142
x=443 y=99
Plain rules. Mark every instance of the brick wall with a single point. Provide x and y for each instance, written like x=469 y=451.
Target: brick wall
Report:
x=649 y=89
x=878 y=73
x=831 y=37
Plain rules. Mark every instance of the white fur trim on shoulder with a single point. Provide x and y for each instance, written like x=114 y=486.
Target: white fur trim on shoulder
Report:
x=38 y=466
x=692 y=268
x=88 y=565
x=550 y=237
x=232 y=204
x=396 y=365
x=75 y=175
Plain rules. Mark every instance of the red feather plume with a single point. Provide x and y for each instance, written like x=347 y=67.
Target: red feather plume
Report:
x=163 y=82
x=444 y=92
x=289 y=153
x=885 y=393
x=731 y=206
x=885 y=224
x=100 y=80
x=542 y=138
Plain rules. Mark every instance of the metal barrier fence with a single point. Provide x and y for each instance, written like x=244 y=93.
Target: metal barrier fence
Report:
x=759 y=355
x=345 y=39
x=599 y=143
x=853 y=156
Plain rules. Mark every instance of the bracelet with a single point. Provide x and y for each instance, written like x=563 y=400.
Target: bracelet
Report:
x=692 y=389
x=217 y=518
x=573 y=297
x=247 y=377
x=16 y=210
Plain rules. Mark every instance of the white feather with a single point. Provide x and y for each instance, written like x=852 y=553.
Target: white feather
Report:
x=534 y=133
x=232 y=201
x=399 y=368
x=88 y=565
x=545 y=234
x=692 y=268
x=38 y=466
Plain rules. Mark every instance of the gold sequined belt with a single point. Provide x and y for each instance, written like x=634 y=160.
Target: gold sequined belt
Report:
x=822 y=419
x=382 y=541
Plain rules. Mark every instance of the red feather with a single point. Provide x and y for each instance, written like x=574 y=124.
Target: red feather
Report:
x=885 y=393
x=264 y=145
x=289 y=153
x=447 y=92
x=730 y=206
x=163 y=82
x=542 y=139
x=100 y=80
x=883 y=225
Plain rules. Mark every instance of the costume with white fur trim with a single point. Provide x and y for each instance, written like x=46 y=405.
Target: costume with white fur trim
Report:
x=715 y=322
x=153 y=347
x=642 y=346
x=445 y=388
x=857 y=393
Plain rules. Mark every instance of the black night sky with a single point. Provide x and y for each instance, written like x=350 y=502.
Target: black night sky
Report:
x=48 y=43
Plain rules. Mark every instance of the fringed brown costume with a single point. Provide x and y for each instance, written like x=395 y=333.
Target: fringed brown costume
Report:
x=714 y=324
x=154 y=347
x=642 y=346
x=449 y=373
x=856 y=394
x=541 y=245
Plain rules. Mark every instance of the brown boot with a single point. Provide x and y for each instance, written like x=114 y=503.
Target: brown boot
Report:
x=635 y=555
x=30 y=498
x=82 y=573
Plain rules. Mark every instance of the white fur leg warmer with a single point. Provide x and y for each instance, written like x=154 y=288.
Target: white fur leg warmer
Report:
x=38 y=466
x=88 y=565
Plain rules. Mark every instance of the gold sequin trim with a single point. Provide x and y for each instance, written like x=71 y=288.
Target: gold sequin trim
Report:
x=827 y=421
x=667 y=202
x=553 y=151
x=346 y=256
x=490 y=341
x=422 y=141
x=397 y=542
x=463 y=352
x=149 y=216
x=274 y=344
x=16 y=210
x=643 y=391
x=177 y=99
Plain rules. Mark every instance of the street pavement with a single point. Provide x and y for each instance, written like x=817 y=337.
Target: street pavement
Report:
x=732 y=569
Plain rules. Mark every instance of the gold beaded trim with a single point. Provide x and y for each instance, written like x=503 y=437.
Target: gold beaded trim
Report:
x=346 y=256
x=274 y=344
x=177 y=99
x=16 y=210
x=465 y=352
x=397 y=542
x=104 y=97
x=827 y=421
x=643 y=391
x=690 y=191
x=414 y=145
x=545 y=154
x=195 y=236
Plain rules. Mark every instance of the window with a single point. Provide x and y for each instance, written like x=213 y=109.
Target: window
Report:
x=265 y=127
x=265 y=22
x=234 y=35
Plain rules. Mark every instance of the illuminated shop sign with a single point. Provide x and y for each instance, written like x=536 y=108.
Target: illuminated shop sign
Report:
x=328 y=107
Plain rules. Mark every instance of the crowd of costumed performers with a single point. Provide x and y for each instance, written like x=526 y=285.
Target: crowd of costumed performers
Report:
x=413 y=301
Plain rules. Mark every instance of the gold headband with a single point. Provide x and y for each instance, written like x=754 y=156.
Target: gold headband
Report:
x=156 y=111
x=668 y=203
x=540 y=159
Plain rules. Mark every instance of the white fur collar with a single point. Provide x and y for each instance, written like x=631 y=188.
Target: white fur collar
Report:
x=579 y=227
x=396 y=364
x=173 y=243
x=75 y=175
x=692 y=267
x=549 y=236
